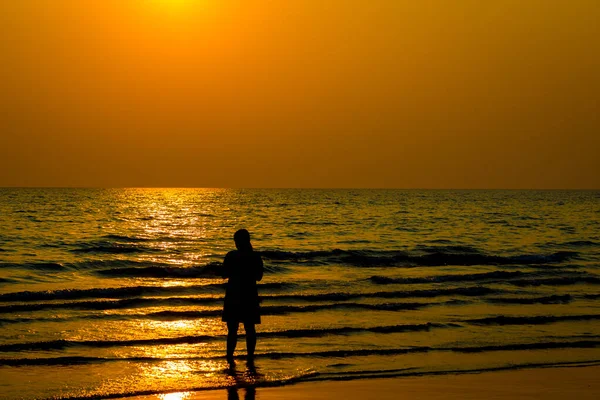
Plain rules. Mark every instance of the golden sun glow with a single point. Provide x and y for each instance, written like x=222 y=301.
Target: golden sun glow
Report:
x=182 y=7
x=174 y=20
x=343 y=93
x=175 y=396
x=177 y=3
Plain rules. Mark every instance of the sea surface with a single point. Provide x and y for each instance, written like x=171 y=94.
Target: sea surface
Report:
x=106 y=293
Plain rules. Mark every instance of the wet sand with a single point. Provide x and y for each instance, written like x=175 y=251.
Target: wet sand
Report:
x=540 y=383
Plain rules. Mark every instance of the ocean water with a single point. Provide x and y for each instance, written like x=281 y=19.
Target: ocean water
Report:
x=107 y=293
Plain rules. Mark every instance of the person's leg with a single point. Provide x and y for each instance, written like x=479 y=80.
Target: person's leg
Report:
x=232 y=329
x=250 y=339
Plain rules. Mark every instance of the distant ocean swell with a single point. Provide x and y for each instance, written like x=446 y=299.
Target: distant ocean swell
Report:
x=278 y=259
x=434 y=257
x=419 y=256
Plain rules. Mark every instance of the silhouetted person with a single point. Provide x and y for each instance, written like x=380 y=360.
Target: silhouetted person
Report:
x=244 y=268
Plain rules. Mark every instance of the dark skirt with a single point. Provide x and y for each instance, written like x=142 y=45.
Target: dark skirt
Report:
x=236 y=311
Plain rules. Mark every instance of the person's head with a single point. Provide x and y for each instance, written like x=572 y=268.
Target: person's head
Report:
x=242 y=240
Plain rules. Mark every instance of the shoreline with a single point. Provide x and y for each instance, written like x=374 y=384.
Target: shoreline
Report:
x=580 y=382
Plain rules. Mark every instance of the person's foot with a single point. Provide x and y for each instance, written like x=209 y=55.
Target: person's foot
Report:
x=230 y=360
x=250 y=363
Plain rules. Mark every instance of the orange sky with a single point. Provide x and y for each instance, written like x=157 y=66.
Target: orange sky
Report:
x=300 y=93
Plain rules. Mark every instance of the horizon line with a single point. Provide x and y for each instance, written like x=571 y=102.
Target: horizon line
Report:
x=286 y=188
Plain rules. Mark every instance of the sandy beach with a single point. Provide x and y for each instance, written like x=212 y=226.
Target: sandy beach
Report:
x=541 y=383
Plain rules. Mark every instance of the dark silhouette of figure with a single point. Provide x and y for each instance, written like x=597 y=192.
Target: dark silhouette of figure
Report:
x=247 y=380
x=243 y=267
x=232 y=394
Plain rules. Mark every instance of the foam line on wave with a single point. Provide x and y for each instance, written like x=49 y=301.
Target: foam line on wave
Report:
x=437 y=256
x=503 y=276
x=70 y=360
x=62 y=344
x=125 y=292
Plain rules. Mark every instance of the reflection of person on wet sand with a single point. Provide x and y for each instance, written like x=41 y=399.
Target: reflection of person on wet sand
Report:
x=243 y=267
x=232 y=394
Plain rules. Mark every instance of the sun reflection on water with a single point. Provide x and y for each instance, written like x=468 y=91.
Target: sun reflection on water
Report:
x=175 y=396
x=182 y=364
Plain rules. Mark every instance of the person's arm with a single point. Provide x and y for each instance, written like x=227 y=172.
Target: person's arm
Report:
x=259 y=268
x=226 y=270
